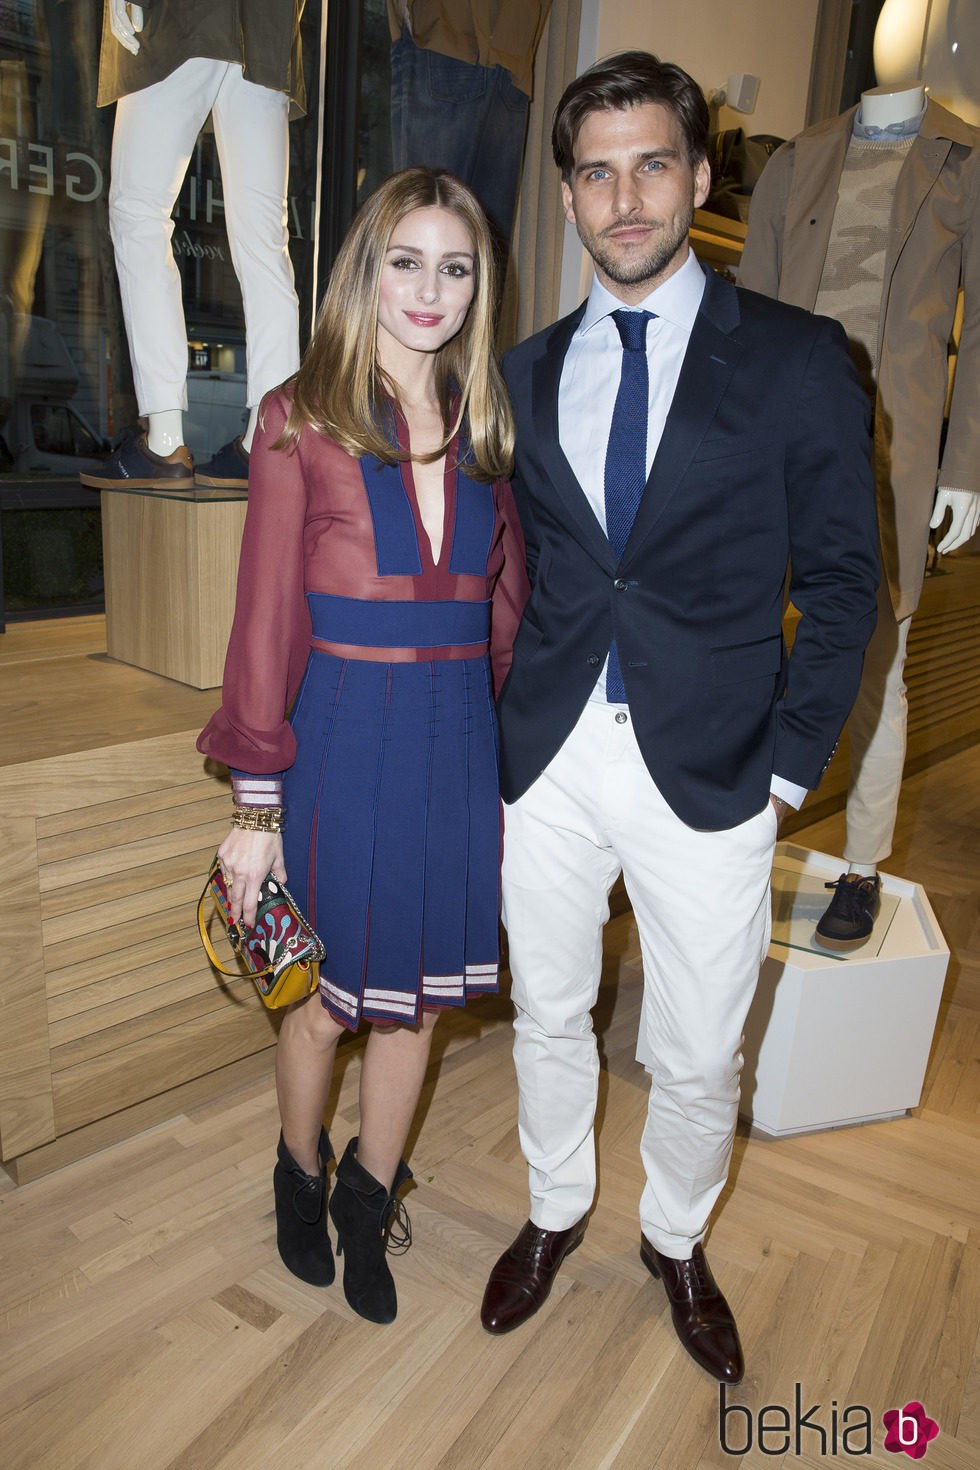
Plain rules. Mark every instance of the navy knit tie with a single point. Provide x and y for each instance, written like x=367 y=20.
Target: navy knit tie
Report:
x=626 y=456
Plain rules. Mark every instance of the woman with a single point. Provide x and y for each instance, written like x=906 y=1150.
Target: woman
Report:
x=381 y=581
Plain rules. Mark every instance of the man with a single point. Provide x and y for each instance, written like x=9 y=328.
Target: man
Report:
x=652 y=722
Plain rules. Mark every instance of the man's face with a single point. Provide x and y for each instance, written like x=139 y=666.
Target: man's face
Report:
x=632 y=196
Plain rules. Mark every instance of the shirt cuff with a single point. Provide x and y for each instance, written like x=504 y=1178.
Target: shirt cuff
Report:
x=789 y=791
x=249 y=790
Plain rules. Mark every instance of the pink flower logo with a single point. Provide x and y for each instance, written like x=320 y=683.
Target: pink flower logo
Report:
x=909 y=1429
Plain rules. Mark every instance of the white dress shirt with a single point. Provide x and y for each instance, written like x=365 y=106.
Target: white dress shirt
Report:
x=589 y=384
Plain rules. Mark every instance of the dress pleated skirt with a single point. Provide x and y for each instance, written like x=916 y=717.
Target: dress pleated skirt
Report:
x=392 y=838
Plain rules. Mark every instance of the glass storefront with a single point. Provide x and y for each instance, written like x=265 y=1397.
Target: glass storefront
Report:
x=66 y=385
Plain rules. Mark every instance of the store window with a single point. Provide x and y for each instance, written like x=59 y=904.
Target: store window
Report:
x=66 y=383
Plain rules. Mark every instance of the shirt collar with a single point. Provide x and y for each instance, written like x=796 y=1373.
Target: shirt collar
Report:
x=894 y=133
x=677 y=301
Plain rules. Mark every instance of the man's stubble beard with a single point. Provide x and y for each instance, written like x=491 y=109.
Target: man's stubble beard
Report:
x=647 y=267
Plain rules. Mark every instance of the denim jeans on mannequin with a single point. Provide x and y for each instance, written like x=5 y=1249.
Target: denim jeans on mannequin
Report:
x=469 y=119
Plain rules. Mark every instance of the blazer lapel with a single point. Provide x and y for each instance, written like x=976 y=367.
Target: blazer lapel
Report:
x=710 y=361
x=545 y=378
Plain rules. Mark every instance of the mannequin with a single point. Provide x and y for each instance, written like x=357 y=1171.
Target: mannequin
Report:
x=885 y=107
x=168 y=64
x=871 y=217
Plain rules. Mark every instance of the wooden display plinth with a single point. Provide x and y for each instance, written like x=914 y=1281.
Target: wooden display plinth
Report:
x=171 y=562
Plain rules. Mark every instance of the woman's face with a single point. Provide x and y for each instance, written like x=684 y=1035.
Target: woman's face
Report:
x=427 y=282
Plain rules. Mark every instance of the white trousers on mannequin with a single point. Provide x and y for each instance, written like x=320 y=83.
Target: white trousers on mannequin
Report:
x=154 y=136
x=702 y=908
x=877 y=729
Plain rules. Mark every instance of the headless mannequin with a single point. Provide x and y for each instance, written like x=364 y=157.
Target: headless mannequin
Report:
x=884 y=107
x=165 y=425
x=871 y=218
x=165 y=428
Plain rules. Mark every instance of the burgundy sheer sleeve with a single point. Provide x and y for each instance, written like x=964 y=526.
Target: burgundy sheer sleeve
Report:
x=511 y=588
x=270 y=636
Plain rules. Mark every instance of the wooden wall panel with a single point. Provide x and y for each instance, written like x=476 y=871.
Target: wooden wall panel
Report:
x=114 y=1002
x=942 y=675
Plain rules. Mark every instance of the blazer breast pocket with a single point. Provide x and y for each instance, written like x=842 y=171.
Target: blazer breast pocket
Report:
x=731 y=446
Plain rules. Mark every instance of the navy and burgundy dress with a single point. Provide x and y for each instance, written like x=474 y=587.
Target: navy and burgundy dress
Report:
x=387 y=662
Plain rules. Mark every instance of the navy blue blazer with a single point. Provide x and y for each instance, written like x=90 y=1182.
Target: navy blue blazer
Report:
x=764 y=465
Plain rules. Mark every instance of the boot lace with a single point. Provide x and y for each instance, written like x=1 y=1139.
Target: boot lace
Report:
x=307 y=1195
x=396 y=1227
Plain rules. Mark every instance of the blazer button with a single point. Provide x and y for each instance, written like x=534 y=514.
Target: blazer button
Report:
x=593 y=659
x=620 y=584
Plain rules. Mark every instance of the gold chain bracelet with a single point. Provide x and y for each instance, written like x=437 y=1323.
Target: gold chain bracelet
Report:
x=259 y=818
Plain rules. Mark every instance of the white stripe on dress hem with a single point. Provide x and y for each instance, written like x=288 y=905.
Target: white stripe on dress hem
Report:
x=384 y=998
x=341 y=998
x=394 y=997
x=438 y=987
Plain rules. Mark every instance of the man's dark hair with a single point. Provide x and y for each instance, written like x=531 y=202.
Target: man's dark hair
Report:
x=628 y=80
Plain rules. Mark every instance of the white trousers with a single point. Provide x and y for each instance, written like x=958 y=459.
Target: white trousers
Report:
x=702 y=908
x=877 y=729
x=154 y=136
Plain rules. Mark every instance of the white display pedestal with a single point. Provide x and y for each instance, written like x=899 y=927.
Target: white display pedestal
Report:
x=836 y=1039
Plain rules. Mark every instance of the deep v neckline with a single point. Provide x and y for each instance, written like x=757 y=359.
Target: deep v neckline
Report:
x=426 y=553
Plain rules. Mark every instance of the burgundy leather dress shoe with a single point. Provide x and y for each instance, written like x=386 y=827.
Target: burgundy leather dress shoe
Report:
x=521 y=1280
x=702 y=1318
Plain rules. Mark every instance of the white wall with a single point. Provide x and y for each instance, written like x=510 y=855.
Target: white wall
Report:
x=711 y=39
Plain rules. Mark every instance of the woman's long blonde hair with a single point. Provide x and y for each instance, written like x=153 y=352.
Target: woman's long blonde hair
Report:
x=340 y=389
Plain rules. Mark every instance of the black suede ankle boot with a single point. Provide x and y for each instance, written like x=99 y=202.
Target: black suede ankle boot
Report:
x=301 y=1219
x=370 y=1221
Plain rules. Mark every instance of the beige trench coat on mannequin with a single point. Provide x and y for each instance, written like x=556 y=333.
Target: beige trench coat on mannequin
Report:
x=933 y=248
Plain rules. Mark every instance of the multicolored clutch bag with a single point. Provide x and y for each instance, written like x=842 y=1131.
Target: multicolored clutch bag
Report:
x=281 y=949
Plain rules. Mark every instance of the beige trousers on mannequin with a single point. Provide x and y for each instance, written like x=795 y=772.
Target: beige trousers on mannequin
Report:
x=154 y=136
x=877 y=731
x=701 y=902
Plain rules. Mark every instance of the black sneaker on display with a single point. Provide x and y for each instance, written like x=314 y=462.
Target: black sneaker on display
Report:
x=134 y=464
x=227 y=470
x=851 y=913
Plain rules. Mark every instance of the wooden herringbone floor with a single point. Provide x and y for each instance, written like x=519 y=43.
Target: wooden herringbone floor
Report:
x=148 y=1322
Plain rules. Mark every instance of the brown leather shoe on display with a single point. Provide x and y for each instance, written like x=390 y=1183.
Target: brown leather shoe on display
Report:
x=521 y=1280
x=702 y=1318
